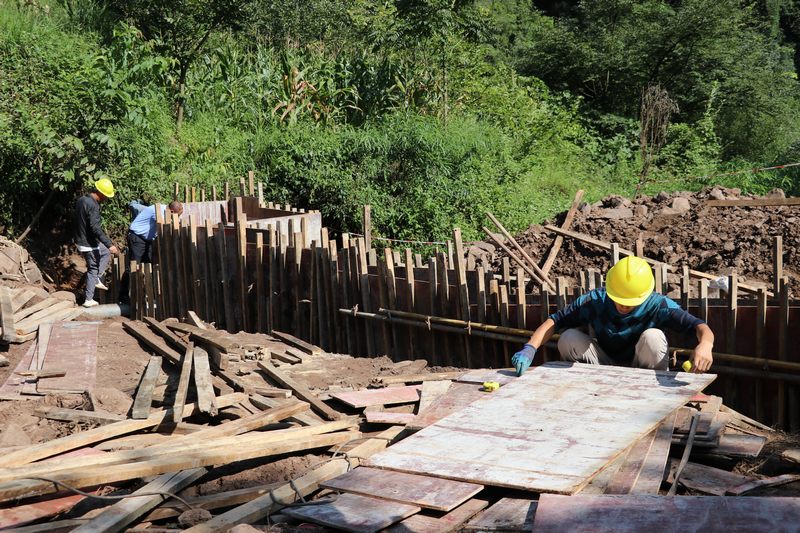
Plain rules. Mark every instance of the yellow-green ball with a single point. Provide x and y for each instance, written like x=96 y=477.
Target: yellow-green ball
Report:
x=686 y=366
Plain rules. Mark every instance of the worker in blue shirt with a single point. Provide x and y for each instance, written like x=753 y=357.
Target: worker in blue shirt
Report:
x=628 y=320
x=141 y=234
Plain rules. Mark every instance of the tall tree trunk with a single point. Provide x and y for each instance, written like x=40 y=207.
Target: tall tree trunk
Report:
x=182 y=92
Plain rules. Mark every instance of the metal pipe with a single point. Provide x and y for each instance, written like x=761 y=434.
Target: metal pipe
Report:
x=107 y=311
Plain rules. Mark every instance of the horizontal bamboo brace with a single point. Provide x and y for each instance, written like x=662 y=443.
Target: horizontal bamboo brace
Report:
x=514 y=334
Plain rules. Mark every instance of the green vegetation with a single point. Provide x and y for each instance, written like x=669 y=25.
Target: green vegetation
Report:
x=432 y=111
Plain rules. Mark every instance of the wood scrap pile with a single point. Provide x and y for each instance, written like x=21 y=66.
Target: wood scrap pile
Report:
x=23 y=310
x=16 y=264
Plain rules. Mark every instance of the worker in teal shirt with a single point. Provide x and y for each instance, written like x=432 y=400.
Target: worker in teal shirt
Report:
x=628 y=319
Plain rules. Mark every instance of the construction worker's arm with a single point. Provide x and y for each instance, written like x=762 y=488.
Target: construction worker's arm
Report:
x=522 y=359
x=702 y=358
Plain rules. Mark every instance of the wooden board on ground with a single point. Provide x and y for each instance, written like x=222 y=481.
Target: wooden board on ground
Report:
x=739 y=445
x=387 y=396
x=652 y=472
x=708 y=410
x=425 y=491
x=457 y=397
x=577 y=417
x=508 y=514
x=144 y=392
x=430 y=392
x=706 y=479
x=12 y=388
x=665 y=514
x=452 y=521
x=300 y=391
x=501 y=376
x=202 y=382
x=72 y=347
x=351 y=512
x=387 y=417
x=301 y=345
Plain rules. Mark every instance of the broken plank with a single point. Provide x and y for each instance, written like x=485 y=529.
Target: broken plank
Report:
x=354 y=513
x=652 y=473
x=121 y=514
x=419 y=378
x=194 y=320
x=706 y=479
x=508 y=514
x=144 y=393
x=666 y=514
x=183 y=384
x=285 y=357
x=76 y=415
x=87 y=438
x=424 y=491
x=202 y=382
x=155 y=343
x=300 y=391
x=752 y=485
x=387 y=396
x=301 y=345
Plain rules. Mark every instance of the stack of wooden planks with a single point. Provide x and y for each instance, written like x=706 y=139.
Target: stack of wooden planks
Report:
x=20 y=317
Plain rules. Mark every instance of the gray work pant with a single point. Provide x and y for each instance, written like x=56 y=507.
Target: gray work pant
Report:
x=96 y=264
x=651 y=349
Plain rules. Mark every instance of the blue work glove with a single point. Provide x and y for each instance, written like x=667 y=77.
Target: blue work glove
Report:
x=523 y=359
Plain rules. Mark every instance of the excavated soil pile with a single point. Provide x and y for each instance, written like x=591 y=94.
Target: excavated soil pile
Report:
x=678 y=229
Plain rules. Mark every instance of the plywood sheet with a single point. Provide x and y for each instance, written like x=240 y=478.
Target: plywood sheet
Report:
x=351 y=512
x=72 y=347
x=458 y=396
x=452 y=521
x=387 y=396
x=508 y=514
x=550 y=430
x=665 y=514
x=425 y=491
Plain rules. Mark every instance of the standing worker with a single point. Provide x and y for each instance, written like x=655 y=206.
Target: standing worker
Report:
x=141 y=234
x=627 y=318
x=92 y=241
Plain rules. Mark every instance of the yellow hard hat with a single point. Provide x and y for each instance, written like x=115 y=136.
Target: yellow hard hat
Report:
x=105 y=187
x=630 y=281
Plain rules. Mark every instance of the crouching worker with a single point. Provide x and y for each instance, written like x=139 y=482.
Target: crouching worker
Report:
x=627 y=318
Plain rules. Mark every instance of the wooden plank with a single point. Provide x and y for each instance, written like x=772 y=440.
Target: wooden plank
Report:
x=227 y=290
x=299 y=390
x=301 y=345
x=202 y=382
x=146 y=337
x=708 y=411
x=22 y=297
x=304 y=419
x=211 y=454
x=508 y=514
x=388 y=417
x=31 y=323
x=753 y=202
x=705 y=479
x=452 y=521
x=554 y=404
x=72 y=347
x=559 y=240
x=652 y=472
x=357 y=514
x=432 y=391
x=76 y=415
x=457 y=397
x=386 y=396
x=607 y=513
x=737 y=445
x=628 y=474
x=423 y=491
x=92 y=436
x=144 y=392
x=752 y=485
x=28 y=311
x=172 y=508
x=127 y=511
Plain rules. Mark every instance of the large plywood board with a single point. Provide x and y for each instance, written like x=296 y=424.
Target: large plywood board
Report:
x=351 y=512
x=665 y=514
x=425 y=491
x=72 y=347
x=551 y=430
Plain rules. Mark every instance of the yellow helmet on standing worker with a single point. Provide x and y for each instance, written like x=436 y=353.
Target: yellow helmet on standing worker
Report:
x=105 y=187
x=630 y=281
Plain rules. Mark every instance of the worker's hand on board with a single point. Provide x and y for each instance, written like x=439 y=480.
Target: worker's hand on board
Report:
x=523 y=358
x=114 y=250
x=702 y=358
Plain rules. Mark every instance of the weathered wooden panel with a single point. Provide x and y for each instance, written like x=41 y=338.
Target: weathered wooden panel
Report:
x=452 y=521
x=706 y=479
x=652 y=473
x=551 y=430
x=425 y=491
x=387 y=396
x=508 y=514
x=351 y=512
x=387 y=417
x=665 y=514
x=72 y=347
x=457 y=397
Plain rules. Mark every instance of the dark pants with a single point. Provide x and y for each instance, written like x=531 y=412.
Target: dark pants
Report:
x=139 y=250
x=96 y=264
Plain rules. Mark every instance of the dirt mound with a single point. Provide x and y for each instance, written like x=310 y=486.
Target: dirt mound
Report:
x=678 y=229
x=16 y=265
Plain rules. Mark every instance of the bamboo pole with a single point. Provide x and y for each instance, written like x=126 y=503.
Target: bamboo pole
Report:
x=541 y=275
